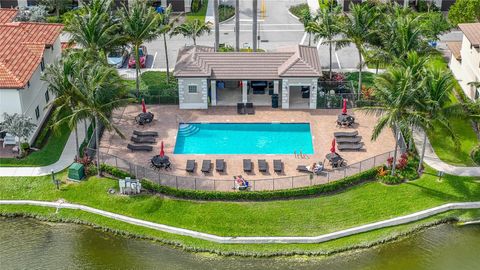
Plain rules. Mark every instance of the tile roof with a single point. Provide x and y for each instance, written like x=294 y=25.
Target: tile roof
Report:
x=472 y=32
x=455 y=47
x=7 y=14
x=200 y=61
x=21 y=49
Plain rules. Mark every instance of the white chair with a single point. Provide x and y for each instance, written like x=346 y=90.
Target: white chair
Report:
x=9 y=140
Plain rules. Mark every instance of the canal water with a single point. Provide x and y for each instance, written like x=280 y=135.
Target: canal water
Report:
x=30 y=244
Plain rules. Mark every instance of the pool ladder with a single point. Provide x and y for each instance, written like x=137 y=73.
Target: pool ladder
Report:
x=186 y=130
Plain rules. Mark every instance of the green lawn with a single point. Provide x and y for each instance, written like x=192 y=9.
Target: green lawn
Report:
x=48 y=154
x=199 y=15
x=313 y=216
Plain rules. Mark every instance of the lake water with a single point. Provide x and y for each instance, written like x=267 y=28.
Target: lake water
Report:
x=30 y=244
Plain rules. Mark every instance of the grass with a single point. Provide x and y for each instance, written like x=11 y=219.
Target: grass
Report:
x=303 y=217
x=48 y=154
x=199 y=15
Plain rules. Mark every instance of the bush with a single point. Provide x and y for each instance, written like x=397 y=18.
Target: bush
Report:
x=225 y=12
x=475 y=154
x=91 y=169
x=298 y=10
x=391 y=179
x=423 y=6
x=196 y=5
x=116 y=172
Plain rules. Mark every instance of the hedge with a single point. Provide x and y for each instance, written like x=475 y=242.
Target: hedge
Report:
x=315 y=190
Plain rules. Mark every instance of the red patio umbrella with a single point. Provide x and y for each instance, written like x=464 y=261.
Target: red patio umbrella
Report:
x=144 y=109
x=162 y=153
x=332 y=150
x=344 y=109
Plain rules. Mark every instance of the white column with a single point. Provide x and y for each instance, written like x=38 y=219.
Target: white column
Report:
x=275 y=86
x=313 y=94
x=285 y=94
x=244 y=91
x=204 y=94
x=181 y=93
x=213 y=92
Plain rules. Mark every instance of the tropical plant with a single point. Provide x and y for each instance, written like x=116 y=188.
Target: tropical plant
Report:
x=326 y=26
x=434 y=25
x=191 y=29
x=464 y=11
x=216 y=25
x=166 y=25
x=94 y=29
x=56 y=5
x=237 y=25
x=307 y=19
x=254 y=25
x=98 y=90
x=31 y=14
x=17 y=125
x=359 y=29
x=140 y=24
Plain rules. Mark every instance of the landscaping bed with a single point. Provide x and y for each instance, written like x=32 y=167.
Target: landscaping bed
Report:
x=155 y=89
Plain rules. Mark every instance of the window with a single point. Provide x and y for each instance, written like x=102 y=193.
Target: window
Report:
x=47 y=96
x=37 y=112
x=192 y=89
x=42 y=64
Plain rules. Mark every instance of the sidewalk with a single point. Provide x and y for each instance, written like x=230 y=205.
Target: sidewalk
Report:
x=66 y=158
x=432 y=160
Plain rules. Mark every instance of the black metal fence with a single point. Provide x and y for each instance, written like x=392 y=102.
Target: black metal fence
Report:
x=330 y=94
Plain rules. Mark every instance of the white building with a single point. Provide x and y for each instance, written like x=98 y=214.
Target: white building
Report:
x=465 y=58
x=25 y=50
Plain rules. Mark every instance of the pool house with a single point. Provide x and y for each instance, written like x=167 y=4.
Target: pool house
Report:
x=285 y=79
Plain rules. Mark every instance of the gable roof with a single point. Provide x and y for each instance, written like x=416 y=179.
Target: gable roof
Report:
x=7 y=14
x=455 y=47
x=201 y=61
x=472 y=32
x=21 y=50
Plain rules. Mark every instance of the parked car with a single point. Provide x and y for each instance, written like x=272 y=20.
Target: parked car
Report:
x=142 y=55
x=117 y=58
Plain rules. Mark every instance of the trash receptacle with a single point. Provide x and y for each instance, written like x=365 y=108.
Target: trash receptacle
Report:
x=275 y=101
x=76 y=171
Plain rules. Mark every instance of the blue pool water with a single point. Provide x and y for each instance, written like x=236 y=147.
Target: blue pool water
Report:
x=244 y=138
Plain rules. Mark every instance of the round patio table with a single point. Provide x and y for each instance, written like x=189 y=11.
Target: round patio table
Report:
x=160 y=162
x=143 y=118
x=333 y=157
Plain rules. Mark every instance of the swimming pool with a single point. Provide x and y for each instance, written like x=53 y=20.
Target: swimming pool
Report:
x=243 y=138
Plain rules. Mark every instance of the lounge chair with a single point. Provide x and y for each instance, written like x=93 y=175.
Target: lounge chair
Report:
x=349 y=146
x=303 y=168
x=249 y=108
x=141 y=147
x=355 y=139
x=206 y=166
x=241 y=108
x=190 y=165
x=247 y=165
x=262 y=165
x=220 y=165
x=145 y=133
x=277 y=165
x=143 y=139
x=345 y=134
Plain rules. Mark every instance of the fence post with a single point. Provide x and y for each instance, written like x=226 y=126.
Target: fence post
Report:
x=360 y=167
x=214 y=186
x=375 y=161
x=253 y=187
x=344 y=173
x=176 y=182
x=116 y=163
x=273 y=183
x=328 y=177
x=159 y=181
x=195 y=183
x=292 y=181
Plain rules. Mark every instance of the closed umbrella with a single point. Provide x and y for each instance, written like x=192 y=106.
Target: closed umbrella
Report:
x=144 y=109
x=162 y=153
x=344 y=109
x=332 y=150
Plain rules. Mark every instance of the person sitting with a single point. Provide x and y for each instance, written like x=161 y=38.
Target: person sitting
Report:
x=311 y=168
x=318 y=168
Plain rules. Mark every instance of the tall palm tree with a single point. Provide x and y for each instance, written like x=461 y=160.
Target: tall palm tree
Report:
x=59 y=80
x=307 y=19
x=358 y=29
x=395 y=96
x=94 y=29
x=326 y=26
x=237 y=25
x=98 y=90
x=166 y=25
x=217 y=24
x=191 y=29
x=140 y=24
x=254 y=24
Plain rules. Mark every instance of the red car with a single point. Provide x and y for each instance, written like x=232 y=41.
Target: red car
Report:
x=142 y=51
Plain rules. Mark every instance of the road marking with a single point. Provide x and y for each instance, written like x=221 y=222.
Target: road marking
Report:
x=154 y=57
x=303 y=38
x=251 y=20
x=338 y=61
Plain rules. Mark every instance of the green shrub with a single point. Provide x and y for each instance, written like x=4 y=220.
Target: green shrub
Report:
x=422 y=6
x=91 y=169
x=391 y=179
x=113 y=171
x=196 y=5
x=475 y=154
x=298 y=10
x=225 y=12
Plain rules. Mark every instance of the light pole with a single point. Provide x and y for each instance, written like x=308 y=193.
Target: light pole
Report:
x=56 y=182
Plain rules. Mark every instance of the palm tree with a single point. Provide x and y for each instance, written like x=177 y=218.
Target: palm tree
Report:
x=166 y=25
x=395 y=94
x=359 y=29
x=326 y=26
x=98 y=90
x=94 y=29
x=254 y=24
x=140 y=24
x=59 y=80
x=191 y=29
x=307 y=19
x=217 y=24
x=237 y=25
x=434 y=25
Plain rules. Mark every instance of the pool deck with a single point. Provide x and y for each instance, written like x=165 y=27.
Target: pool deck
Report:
x=167 y=117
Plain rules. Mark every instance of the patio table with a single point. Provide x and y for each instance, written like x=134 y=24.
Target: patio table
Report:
x=161 y=162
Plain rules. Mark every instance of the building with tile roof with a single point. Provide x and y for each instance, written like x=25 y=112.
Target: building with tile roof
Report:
x=465 y=58
x=26 y=49
x=228 y=78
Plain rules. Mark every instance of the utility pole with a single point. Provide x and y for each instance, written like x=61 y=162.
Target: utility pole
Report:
x=254 y=25
x=217 y=24
x=237 y=25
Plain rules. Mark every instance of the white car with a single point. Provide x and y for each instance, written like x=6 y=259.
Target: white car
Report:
x=117 y=58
